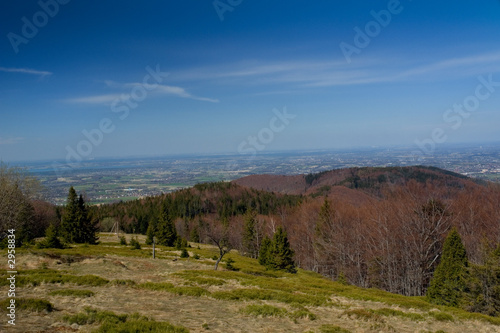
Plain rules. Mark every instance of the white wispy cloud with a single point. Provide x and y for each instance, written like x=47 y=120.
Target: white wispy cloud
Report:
x=161 y=89
x=95 y=99
x=153 y=89
x=275 y=77
x=304 y=73
x=10 y=141
x=25 y=71
x=181 y=92
x=324 y=73
x=467 y=65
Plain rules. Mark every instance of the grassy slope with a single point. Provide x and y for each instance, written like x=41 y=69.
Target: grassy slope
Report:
x=188 y=293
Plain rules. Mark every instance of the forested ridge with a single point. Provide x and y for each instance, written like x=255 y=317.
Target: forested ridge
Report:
x=372 y=227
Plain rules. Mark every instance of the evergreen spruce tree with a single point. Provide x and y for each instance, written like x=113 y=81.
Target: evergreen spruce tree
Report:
x=281 y=254
x=184 y=253
x=70 y=217
x=229 y=265
x=180 y=243
x=483 y=293
x=51 y=240
x=166 y=232
x=87 y=227
x=264 y=250
x=76 y=225
x=24 y=232
x=249 y=235
x=448 y=284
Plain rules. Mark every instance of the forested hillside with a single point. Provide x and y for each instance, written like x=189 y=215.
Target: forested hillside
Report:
x=368 y=179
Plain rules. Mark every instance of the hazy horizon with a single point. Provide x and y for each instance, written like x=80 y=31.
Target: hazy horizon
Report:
x=354 y=149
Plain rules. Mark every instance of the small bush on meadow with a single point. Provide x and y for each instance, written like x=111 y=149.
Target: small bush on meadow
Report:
x=28 y=304
x=264 y=311
x=229 y=265
x=332 y=329
x=135 y=244
x=184 y=253
x=441 y=316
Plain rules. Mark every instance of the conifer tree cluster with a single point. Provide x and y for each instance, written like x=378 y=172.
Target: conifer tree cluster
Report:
x=76 y=224
x=474 y=287
x=276 y=254
x=449 y=282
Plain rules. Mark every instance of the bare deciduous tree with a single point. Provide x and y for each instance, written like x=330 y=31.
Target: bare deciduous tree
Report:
x=218 y=234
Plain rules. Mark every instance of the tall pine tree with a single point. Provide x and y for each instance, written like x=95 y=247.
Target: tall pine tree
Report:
x=280 y=255
x=88 y=228
x=166 y=232
x=70 y=217
x=76 y=225
x=448 y=284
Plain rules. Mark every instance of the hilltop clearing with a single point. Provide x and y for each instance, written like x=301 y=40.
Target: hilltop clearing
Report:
x=110 y=288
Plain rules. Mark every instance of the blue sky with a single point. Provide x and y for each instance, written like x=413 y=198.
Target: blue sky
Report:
x=226 y=76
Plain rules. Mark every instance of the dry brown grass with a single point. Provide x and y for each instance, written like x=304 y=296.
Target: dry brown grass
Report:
x=204 y=313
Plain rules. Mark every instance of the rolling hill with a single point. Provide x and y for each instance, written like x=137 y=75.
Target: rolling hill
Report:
x=370 y=181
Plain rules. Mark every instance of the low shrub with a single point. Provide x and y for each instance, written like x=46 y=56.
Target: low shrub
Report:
x=332 y=329
x=113 y=323
x=119 y=282
x=28 y=304
x=229 y=265
x=441 y=316
x=264 y=311
x=134 y=243
x=133 y=326
x=184 y=253
x=302 y=314
x=90 y=316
